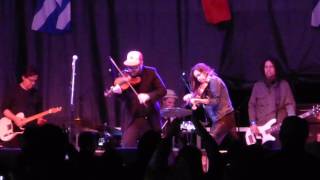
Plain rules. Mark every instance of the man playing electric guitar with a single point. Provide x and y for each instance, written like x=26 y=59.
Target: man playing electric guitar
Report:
x=23 y=98
x=270 y=99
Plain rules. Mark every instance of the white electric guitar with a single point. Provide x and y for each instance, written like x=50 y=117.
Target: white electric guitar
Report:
x=6 y=126
x=269 y=127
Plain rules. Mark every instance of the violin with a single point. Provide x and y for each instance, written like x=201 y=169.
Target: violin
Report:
x=124 y=82
x=198 y=93
x=195 y=98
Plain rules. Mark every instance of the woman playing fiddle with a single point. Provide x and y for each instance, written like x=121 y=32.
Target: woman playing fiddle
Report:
x=209 y=91
x=140 y=110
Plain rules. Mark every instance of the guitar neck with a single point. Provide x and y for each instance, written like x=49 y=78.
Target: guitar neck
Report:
x=306 y=114
x=277 y=126
x=274 y=128
x=36 y=116
x=241 y=129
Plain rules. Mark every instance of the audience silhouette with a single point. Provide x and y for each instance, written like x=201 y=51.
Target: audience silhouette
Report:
x=47 y=154
x=293 y=161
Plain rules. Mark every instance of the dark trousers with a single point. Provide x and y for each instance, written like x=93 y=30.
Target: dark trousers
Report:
x=223 y=127
x=134 y=131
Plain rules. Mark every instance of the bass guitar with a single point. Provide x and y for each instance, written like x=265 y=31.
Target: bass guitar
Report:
x=6 y=126
x=268 y=128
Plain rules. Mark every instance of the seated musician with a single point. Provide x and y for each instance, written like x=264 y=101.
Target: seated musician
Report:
x=168 y=101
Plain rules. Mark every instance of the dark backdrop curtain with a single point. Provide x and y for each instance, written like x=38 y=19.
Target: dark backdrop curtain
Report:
x=172 y=34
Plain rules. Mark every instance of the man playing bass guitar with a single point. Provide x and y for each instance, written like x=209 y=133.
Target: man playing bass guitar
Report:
x=271 y=98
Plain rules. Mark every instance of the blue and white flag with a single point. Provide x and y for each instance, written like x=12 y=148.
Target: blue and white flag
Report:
x=315 y=16
x=53 y=16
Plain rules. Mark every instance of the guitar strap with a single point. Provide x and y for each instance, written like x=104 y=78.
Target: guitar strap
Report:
x=277 y=98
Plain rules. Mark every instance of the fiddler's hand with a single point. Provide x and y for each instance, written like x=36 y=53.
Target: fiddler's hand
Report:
x=143 y=98
x=194 y=101
x=187 y=97
x=116 y=89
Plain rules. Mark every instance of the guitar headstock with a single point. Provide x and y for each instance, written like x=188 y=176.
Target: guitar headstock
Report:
x=316 y=111
x=55 y=109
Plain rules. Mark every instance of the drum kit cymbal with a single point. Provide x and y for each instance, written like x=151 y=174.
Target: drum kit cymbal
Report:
x=172 y=113
x=175 y=112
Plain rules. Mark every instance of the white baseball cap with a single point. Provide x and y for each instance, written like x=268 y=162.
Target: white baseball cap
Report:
x=134 y=58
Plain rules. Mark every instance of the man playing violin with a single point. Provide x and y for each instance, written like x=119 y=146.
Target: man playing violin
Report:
x=210 y=92
x=141 y=108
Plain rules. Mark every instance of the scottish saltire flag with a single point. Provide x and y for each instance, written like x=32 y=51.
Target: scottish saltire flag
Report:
x=53 y=16
x=315 y=16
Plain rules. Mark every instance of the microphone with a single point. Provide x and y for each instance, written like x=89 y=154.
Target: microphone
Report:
x=74 y=58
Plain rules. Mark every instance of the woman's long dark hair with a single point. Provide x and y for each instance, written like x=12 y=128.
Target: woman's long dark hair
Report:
x=201 y=67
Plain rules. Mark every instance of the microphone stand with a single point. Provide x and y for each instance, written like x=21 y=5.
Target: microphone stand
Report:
x=72 y=106
x=185 y=82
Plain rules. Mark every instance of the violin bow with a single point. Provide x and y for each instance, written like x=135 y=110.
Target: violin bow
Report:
x=121 y=73
x=186 y=83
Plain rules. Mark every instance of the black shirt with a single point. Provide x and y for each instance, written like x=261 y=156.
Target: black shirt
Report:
x=19 y=100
